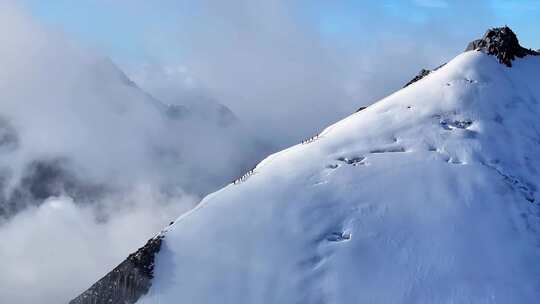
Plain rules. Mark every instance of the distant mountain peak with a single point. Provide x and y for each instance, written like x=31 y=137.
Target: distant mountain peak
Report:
x=503 y=43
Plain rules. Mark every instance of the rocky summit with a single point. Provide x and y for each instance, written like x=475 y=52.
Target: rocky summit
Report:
x=503 y=43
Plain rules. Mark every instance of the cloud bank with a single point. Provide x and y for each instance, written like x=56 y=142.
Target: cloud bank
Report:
x=291 y=68
x=91 y=165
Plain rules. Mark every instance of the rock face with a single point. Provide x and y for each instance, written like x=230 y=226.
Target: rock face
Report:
x=128 y=281
x=423 y=73
x=360 y=109
x=502 y=43
x=43 y=179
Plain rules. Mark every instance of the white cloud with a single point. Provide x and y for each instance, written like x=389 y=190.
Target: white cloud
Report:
x=83 y=129
x=53 y=252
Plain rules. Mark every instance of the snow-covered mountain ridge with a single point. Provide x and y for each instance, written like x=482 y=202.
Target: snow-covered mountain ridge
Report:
x=427 y=196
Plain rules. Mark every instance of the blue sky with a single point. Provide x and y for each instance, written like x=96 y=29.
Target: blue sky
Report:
x=137 y=31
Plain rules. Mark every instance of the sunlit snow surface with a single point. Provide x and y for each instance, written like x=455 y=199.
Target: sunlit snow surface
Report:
x=428 y=196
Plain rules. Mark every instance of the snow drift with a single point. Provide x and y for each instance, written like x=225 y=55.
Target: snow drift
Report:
x=427 y=196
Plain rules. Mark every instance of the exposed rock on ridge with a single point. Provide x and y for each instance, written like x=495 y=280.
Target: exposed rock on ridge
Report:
x=128 y=282
x=423 y=73
x=502 y=43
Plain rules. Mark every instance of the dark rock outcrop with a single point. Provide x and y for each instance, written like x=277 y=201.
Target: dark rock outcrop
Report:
x=47 y=178
x=128 y=282
x=423 y=73
x=360 y=109
x=502 y=43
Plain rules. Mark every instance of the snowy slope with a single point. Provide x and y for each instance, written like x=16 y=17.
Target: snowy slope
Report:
x=427 y=196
